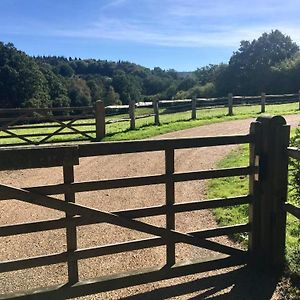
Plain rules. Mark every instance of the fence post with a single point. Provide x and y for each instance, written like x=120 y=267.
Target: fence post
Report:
x=273 y=182
x=299 y=98
x=100 y=119
x=132 y=114
x=263 y=103
x=194 y=113
x=156 y=112
x=230 y=104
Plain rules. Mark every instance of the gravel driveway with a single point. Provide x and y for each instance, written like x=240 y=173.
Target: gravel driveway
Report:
x=97 y=168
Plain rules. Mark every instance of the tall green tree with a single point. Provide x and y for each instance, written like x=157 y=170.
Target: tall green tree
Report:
x=249 y=68
x=22 y=84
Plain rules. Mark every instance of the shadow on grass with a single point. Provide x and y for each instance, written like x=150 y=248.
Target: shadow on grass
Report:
x=243 y=283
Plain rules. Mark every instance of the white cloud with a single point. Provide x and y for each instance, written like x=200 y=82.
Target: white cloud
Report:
x=211 y=36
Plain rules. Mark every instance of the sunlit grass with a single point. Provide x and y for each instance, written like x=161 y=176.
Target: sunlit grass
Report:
x=235 y=186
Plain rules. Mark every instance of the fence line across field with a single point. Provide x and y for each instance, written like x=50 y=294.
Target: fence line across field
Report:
x=15 y=123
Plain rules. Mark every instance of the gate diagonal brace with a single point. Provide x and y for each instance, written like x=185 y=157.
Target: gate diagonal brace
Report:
x=97 y=215
x=66 y=125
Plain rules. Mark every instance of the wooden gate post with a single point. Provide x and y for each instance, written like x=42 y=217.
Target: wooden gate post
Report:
x=156 y=112
x=268 y=214
x=100 y=119
x=132 y=114
x=230 y=104
x=263 y=103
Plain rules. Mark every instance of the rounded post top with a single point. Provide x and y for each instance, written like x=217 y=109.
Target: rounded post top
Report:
x=276 y=120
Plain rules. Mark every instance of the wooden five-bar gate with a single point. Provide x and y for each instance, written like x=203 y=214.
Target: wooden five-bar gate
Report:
x=267 y=170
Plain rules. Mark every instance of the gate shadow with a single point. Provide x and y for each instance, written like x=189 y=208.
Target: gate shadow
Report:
x=242 y=283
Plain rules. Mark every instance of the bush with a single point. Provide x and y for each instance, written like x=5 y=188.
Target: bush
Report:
x=295 y=169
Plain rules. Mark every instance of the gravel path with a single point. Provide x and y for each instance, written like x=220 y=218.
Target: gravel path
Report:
x=94 y=235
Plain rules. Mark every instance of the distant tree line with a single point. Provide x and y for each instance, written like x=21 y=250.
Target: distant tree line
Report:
x=268 y=64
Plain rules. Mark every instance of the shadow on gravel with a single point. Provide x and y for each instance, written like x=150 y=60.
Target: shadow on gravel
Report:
x=243 y=283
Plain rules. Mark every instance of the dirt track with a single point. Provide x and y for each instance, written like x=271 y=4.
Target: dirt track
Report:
x=111 y=200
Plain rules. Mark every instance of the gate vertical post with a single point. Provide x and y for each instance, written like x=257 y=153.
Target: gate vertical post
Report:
x=273 y=182
x=71 y=234
x=170 y=200
x=100 y=119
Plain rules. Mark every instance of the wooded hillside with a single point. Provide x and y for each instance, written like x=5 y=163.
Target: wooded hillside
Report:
x=268 y=64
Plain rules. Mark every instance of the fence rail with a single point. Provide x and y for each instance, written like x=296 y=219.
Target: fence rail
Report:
x=52 y=125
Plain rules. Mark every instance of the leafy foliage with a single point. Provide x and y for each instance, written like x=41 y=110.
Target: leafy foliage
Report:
x=269 y=64
x=295 y=169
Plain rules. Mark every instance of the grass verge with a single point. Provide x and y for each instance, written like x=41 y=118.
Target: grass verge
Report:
x=235 y=186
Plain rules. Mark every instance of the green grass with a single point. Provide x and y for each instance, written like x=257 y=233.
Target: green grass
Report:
x=235 y=186
x=145 y=127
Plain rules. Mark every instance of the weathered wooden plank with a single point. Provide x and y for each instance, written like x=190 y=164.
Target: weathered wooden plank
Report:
x=294 y=152
x=137 y=181
x=292 y=209
x=118 y=281
x=59 y=109
x=170 y=200
x=114 y=219
x=37 y=261
x=151 y=211
x=254 y=191
x=55 y=258
x=230 y=104
x=273 y=190
x=46 y=134
x=109 y=148
x=208 y=174
x=263 y=103
x=194 y=110
x=132 y=114
x=156 y=112
x=71 y=233
x=14 y=145
x=45 y=118
x=25 y=158
x=100 y=120
x=155 y=242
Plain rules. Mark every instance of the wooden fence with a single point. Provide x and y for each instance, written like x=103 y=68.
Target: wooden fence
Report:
x=34 y=126
x=267 y=170
x=27 y=126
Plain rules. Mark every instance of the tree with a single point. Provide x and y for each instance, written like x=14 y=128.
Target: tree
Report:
x=112 y=97
x=249 y=67
x=22 y=84
x=79 y=92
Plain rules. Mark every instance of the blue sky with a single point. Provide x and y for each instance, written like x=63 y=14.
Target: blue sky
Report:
x=179 y=34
